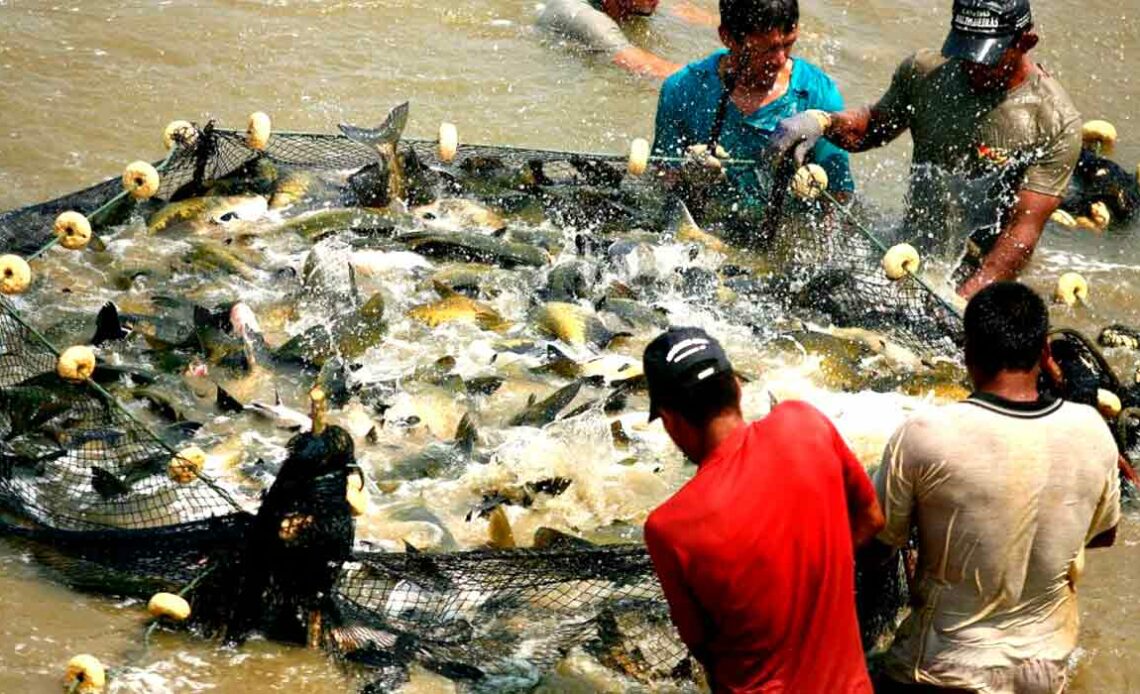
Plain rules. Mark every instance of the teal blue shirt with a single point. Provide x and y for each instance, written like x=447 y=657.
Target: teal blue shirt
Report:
x=687 y=108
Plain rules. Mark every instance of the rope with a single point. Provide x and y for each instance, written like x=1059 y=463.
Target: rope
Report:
x=182 y=593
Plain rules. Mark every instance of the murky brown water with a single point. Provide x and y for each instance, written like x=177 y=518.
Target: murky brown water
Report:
x=89 y=85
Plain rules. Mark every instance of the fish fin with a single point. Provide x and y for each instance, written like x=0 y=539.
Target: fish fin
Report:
x=276 y=397
x=108 y=325
x=532 y=399
x=388 y=132
x=772 y=399
x=227 y=402
x=409 y=548
x=97 y=243
x=444 y=291
x=550 y=538
x=107 y=485
x=353 y=289
x=466 y=434
x=499 y=531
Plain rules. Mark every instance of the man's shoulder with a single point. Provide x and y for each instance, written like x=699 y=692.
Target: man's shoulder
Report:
x=1055 y=108
x=809 y=76
x=694 y=74
x=924 y=62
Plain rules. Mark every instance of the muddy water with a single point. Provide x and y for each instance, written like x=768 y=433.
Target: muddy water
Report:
x=88 y=87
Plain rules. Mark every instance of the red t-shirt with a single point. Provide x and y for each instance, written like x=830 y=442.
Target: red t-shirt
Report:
x=754 y=554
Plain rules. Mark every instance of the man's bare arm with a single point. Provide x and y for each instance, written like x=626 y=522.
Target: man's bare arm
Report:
x=861 y=129
x=866 y=523
x=641 y=62
x=691 y=14
x=1015 y=244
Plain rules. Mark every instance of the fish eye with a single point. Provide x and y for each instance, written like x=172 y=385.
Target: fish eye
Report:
x=228 y=217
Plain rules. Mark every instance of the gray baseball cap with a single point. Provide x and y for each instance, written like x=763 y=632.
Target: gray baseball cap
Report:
x=982 y=30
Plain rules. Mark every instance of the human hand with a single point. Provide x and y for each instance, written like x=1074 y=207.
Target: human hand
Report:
x=702 y=169
x=798 y=134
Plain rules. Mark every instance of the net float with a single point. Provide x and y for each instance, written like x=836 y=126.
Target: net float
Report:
x=1071 y=288
x=1100 y=215
x=448 y=142
x=809 y=182
x=1099 y=135
x=901 y=260
x=178 y=132
x=168 y=606
x=141 y=180
x=73 y=231
x=258 y=131
x=292 y=525
x=85 y=675
x=1107 y=403
x=15 y=274
x=638 y=156
x=1064 y=219
x=357 y=495
x=76 y=364
x=184 y=467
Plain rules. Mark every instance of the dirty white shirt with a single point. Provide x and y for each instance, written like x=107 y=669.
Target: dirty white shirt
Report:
x=1005 y=496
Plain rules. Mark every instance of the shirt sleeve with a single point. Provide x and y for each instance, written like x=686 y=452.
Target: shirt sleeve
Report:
x=835 y=161
x=1050 y=173
x=578 y=21
x=894 y=486
x=669 y=138
x=683 y=607
x=897 y=105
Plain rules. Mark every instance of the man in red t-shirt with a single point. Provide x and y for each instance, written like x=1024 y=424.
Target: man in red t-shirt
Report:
x=756 y=552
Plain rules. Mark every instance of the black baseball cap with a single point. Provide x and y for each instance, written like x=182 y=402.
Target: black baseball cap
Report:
x=678 y=360
x=982 y=30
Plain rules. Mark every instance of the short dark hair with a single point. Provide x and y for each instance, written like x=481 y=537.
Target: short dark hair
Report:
x=700 y=404
x=1006 y=324
x=743 y=17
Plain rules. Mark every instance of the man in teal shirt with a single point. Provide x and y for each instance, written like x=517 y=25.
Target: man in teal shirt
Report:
x=737 y=96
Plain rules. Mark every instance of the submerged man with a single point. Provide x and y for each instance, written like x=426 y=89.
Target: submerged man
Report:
x=736 y=97
x=597 y=25
x=1003 y=520
x=995 y=139
x=755 y=553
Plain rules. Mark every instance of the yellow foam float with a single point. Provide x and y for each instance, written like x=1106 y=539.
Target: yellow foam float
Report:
x=15 y=274
x=1107 y=403
x=76 y=364
x=448 y=142
x=901 y=260
x=85 y=675
x=73 y=231
x=168 y=606
x=638 y=156
x=178 y=132
x=809 y=182
x=1071 y=288
x=1099 y=135
x=184 y=467
x=258 y=130
x=1064 y=219
x=140 y=180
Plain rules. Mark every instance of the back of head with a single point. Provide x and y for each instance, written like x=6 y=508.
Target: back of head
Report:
x=1006 y=325
x=742 y=18
x=704 y=402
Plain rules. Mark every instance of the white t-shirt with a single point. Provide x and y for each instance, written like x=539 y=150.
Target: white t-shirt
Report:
x=1005 y=496
x=581 y=22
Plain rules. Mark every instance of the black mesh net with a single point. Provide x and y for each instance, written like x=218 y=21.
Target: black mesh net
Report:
x=98 y=494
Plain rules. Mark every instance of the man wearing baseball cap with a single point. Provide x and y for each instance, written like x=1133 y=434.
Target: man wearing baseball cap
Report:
x=756 y=552
x=995 y=140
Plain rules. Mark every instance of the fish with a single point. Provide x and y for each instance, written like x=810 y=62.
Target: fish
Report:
x=455 y=214
x=542 y=412
x=283 y=417
x=454 y=307
x=571 y=280
x=1117 y=335
x=466 y=246
x=210 y=215
x=440 y=460
x=379 y=184
x=315 y=226
x=573 y=325
x=634 y=313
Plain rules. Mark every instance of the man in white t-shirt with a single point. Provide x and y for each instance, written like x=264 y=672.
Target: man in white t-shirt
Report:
x=1006 y=489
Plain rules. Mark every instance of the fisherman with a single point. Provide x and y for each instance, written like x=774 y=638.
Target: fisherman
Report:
x=995 y=140
x=756 y=553
x=735 y=98
x=597 y=25
x=1003 y=522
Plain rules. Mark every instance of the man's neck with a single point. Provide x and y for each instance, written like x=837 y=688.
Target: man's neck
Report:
x=752 y=92
x=1015 y=386
x=1025 y=68
x=717 y=431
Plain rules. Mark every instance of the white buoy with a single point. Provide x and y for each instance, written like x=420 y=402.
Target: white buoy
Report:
x=258 y=130
x=448 y=142
x=15 y=274
x=73 y=231
x=901 y=260
x=809 y=182
x=638 y=156
x=76 y=364
x=140 y=179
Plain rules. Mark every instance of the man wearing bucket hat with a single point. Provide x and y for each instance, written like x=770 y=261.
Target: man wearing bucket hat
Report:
x=995 y=140
x=756 y=553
